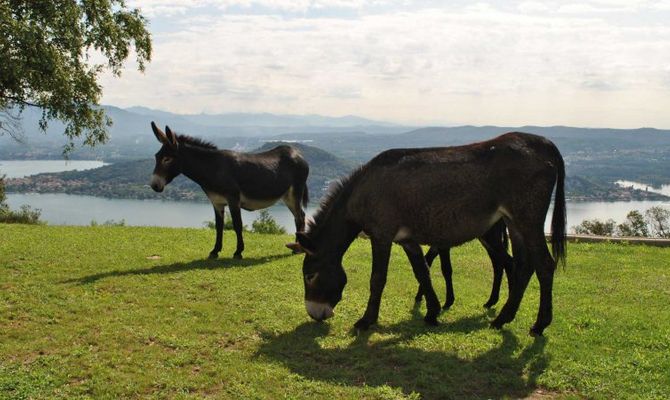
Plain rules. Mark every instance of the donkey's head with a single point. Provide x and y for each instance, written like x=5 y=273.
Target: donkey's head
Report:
x=324 y=279
x=168 y=165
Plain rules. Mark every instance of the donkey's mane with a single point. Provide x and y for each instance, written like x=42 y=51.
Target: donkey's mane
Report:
x=196 y=142
x=338 y=193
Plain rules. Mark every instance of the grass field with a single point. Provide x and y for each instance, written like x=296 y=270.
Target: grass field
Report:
x=120 y=312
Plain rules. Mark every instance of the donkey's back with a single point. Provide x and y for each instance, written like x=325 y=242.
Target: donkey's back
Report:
x=271 y=173
x=450 y=195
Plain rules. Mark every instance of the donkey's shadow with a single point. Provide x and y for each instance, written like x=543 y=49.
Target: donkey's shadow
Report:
x=503 y=371
x=204 y=264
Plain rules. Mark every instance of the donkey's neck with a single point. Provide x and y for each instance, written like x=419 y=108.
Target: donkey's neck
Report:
x=198 y=164
x=335 y=233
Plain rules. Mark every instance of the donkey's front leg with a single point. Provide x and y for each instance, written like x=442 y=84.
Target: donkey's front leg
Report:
x=381 y=252
x=236 y=215
x=218 y=222
x=415 y=256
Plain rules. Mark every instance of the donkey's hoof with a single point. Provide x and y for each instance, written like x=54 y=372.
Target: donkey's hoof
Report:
x=363 y=324
x=535 y=332
x=213 y=256
x=431 y=320
x=418 y=298
x=490 y=304
x=237 y=256
x=496 y=325
x=446 y=306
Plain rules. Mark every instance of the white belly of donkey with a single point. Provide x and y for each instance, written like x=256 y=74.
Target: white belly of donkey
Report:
x=254 y=204
x=219 y=202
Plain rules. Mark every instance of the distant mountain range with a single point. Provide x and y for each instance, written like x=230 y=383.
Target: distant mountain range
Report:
x=265 y=119
x=134 y=121
x=130 y=132
x=600 y=156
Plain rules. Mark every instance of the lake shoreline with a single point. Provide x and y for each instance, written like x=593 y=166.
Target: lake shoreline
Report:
x=70 y=207
x=130 y=181
x=312 y=202
x=67 y=209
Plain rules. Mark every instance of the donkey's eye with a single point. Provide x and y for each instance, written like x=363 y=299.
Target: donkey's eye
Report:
x=167 y=160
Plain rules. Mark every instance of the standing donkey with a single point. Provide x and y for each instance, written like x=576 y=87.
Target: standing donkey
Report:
x=443 y=197
x=495 y=242
x=237 y=180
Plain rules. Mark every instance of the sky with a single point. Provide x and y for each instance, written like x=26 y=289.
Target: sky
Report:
x=593 y=63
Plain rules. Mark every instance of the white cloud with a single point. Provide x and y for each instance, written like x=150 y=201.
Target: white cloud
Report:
x=533 y=7
x=475 y=64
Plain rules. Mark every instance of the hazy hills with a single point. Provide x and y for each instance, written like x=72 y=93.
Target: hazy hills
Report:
x=348 y=137
x=600 y=156
x=129 y=179
x=264 y=119
x=131 y=137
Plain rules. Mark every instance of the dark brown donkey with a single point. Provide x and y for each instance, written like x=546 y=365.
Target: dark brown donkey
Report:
x=442 y=197
x=495 y=243
x=237 y=180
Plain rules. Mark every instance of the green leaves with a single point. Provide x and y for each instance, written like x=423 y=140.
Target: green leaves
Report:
x=47 y=47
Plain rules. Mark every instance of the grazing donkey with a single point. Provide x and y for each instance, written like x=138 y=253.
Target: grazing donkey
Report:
x=237 y=180
x=495 y=242
x=442 y=197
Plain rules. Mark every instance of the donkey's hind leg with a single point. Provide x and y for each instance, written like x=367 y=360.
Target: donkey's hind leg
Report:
x=544 y=267
x=292 y=199
x=518 y=281
x=218 y=223
x=445 y=263
x=431 y=254
x=500 y=261
x=420 y=268
x=537 y=259
x=236 y=216
x=497 y=279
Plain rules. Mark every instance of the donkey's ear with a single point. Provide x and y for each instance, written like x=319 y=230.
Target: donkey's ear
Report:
x=160 y=135
x=172 y=137
x=306 y=243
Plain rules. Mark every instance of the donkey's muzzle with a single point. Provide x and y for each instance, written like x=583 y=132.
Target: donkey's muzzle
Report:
x=157 y=183
x=319 y=311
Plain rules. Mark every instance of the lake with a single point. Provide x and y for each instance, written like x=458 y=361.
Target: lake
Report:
x=21 y=168
x=64 y=209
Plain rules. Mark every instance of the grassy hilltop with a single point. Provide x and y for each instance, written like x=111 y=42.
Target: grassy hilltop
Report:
x=121 y=312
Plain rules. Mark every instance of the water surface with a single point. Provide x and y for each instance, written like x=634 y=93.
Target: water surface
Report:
x=65 y=209
x=22 y=168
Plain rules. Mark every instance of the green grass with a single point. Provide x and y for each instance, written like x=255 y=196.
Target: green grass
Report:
x=92 y=313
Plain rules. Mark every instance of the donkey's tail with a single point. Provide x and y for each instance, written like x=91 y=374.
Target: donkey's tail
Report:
x=305 y=196
x=558 y=219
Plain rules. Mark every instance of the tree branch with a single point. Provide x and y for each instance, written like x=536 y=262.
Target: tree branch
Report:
x=17 y=100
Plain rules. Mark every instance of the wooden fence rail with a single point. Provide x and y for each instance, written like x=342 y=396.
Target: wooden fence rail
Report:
x=632 y=240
